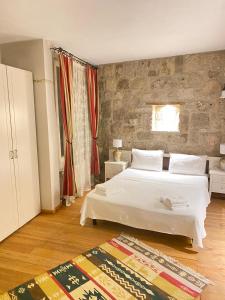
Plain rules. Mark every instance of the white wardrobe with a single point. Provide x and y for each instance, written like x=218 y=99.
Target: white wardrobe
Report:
x=19 y=181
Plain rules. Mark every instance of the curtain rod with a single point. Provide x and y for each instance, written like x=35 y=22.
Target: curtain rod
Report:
x=67 y=53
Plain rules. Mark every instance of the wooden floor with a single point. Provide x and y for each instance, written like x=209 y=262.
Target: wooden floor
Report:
x=49 y=240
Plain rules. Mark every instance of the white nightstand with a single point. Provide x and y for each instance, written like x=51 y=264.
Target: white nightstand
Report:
x=217 y=181
x=113 y=168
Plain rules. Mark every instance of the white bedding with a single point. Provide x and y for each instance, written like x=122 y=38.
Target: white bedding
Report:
x=133 y=199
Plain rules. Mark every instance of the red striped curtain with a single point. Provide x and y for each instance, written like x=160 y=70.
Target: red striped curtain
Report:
x=66 y=79
x=94 y=117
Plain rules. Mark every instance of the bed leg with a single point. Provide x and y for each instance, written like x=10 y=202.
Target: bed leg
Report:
x=94 y=221
x=190 y=242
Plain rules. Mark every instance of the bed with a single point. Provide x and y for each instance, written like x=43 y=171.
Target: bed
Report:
x=133 y=198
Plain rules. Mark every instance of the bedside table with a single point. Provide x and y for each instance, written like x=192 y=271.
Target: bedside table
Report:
x=217 y=181
x=113 y=168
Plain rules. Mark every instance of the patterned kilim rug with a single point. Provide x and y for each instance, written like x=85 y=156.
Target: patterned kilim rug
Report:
x=122 y=268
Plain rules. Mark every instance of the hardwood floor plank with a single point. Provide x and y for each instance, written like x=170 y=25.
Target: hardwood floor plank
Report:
x=49 y=240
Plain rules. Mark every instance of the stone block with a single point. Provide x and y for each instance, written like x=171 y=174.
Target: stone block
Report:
x=192 y=63
x=165 y=69
x=137 y=83
x=123 y=84
x=184 y=122
x=159 y=83
x=119 y=69
x=108 y=96
x=138 y=145
x=106 y=109
x=212 y=87
x=193 y=137
x=110 y=84
x=108 y=70
x=119 y=114
x=132 y=115
x=213 y=74
x=179 y=64
x=185 y=94
x=101 y=84
x=117 y=104
x=144 y=135
x=199 y=120
x=152 y=73
x=210 y=139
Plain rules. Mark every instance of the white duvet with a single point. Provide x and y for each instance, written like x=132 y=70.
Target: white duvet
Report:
x=133 y=199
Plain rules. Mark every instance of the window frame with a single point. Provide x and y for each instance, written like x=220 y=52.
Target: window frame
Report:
x=153 y=117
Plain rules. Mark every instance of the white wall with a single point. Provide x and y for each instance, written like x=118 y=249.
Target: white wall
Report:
x=53 y=130
x=35 y=56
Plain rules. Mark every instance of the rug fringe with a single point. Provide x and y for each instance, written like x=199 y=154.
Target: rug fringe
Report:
x=170 y=259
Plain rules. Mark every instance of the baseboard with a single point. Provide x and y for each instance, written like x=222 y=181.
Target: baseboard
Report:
x=58 y=206
x=51 y=211
x=218 y=196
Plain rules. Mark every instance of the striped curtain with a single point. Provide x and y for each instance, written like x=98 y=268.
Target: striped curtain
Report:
x=66 y=93
x=94 y=117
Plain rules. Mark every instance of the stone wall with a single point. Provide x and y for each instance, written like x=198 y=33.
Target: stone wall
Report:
x=128 y=90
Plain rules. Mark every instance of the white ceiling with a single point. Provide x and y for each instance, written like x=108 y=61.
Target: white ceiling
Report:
x=104 y=31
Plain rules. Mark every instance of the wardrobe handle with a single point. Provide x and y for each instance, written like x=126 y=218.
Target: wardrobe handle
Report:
x=15 y=154
x=11 y=154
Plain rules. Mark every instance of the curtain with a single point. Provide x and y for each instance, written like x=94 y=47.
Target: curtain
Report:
x=66 y=93
x=81 y=130
x=94 y=117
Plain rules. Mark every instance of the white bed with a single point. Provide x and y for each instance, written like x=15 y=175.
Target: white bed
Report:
x=133 y=198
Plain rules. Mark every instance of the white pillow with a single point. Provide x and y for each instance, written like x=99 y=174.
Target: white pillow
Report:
x=187 y=164
x=147 y=159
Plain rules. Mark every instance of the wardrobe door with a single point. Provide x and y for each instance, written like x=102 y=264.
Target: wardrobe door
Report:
x=21 y=97
x=8 y=203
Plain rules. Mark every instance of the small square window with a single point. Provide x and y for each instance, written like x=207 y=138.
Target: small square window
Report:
x=166 y=117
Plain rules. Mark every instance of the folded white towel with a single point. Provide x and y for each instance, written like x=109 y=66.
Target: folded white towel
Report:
x=100 y=187
x=175 y=203
x=100 y=193
x=102 y=190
